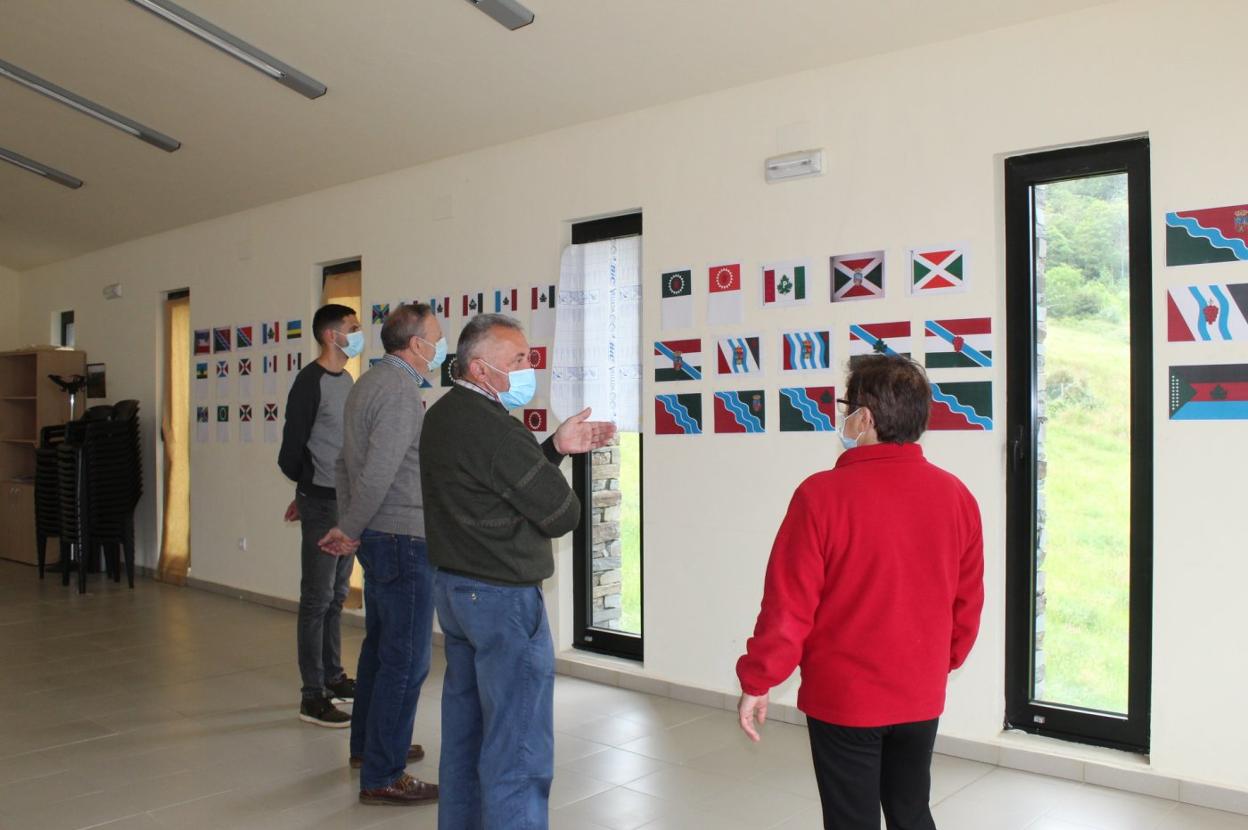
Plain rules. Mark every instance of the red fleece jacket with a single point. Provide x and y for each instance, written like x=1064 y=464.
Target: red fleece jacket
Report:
x=874 y=587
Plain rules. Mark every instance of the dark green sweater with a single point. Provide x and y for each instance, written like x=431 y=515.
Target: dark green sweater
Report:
x=494 y=497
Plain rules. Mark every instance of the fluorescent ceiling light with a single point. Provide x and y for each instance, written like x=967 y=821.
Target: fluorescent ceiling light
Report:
x=507 y=12
x=74 y=101
x=234 y=47
x=32 y=166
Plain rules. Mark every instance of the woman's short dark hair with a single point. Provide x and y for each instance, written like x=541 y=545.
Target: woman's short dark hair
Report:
x=896 y=391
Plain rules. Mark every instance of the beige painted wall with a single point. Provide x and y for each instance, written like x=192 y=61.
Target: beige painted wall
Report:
x=914 y=144
x=10 y=309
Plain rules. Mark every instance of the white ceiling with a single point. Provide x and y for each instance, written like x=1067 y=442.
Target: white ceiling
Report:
x=409 y=81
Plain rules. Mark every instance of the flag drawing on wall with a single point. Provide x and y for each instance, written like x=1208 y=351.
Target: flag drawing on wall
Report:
x=937 y=270
x=858 y=276
x=535 y=420
x=724 y=300
x=956 y=344
x=242 y=337
x=677 y=360
x=201 y=371
x=741 y=412
x=961 y=406
x=739 y=356
x=678 y=414
x=380 y=312
x=808 y=409
x=223 y=369
x=294 y=362
x=223 y=423
x=1209 y=393
x=537 y=357
x=294 y=329
x=448 y=368
x=878 y=338
x=244 y=377
x=676 y=305
x=441 y=306
x=201 y=424
x=221 y=339
x=1207 y=312
x=223 y=378
x=269 y=369
x=1195 y=237
x=270 y=333
x=471 y=304
x=506 y=300
x=203 y=341
x=244 y=423
x=785 y=283
x=270 y=423
x=542 y=312
x=805 y=350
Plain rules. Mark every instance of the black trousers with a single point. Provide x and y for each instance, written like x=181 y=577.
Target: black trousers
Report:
x=860 y=770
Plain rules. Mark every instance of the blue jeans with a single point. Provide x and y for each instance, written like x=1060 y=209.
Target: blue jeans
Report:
x=394 y=659
x=498 y=743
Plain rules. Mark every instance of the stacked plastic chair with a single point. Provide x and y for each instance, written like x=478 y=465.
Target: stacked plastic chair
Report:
x=100 y=484
x=48 y=494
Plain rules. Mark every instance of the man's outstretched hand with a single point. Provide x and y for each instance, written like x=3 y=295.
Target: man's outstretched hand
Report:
x=578 y=434
x=337 y=543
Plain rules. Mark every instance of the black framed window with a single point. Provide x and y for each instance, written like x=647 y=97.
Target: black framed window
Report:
x=1079 y=420
x=608 y=557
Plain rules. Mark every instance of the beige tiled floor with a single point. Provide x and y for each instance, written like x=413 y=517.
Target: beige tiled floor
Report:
x=164 y=708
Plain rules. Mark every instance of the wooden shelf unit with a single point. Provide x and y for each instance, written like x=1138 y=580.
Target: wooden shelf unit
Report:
x=29 y=401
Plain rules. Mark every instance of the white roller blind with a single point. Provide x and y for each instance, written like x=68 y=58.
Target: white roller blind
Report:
x=597 y=354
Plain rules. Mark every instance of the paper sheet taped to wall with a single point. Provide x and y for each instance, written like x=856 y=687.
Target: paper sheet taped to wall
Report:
x=596 y=360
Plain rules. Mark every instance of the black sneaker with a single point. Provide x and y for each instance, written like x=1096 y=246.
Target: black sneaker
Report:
x=323 y=713
x=342 y=690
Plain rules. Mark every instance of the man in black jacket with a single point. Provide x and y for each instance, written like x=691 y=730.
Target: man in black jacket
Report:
x=494 y=499
x=311 y=441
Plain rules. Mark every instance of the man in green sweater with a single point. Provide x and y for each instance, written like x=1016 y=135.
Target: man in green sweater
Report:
x=494 y=499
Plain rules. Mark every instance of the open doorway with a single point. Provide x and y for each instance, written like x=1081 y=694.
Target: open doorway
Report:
x=175 y=428
x=343 y=283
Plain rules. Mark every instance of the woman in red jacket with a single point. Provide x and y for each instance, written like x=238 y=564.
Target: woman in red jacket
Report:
x=874 y=587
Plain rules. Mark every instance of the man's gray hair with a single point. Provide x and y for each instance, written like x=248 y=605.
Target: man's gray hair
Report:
x=402 y=324
x=476 y=334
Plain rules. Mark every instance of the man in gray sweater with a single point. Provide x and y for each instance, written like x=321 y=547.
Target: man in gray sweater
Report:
x=381 y=514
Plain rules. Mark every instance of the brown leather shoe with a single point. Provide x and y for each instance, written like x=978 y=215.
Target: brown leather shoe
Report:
x=415 y=753
x=404 y=792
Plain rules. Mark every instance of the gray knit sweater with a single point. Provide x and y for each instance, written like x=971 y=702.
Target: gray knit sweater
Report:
x=378 y=472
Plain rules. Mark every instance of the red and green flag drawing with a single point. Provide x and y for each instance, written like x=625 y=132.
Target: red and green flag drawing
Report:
x=937 y=270
x=785 y=284
x=858 y=277
x=1196 y=237
x=678 y=414
x=961 y=406
x=808 y=409
x=956 y=344
x=741 y=413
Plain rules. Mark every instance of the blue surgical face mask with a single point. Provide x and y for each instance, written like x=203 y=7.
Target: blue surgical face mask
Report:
x=439 y=352
x=847 y=442
x=355 y=343
x=523 y=387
